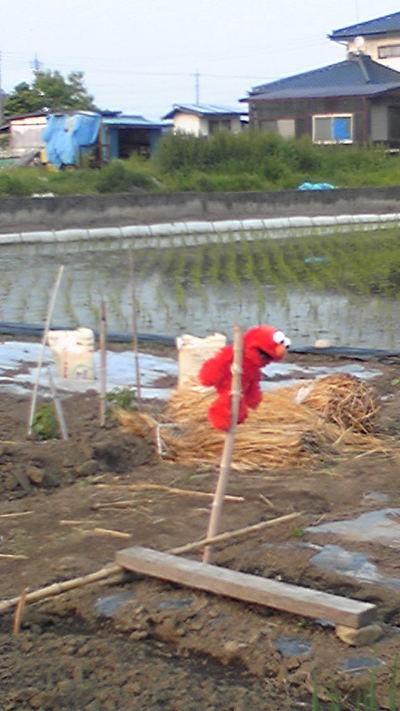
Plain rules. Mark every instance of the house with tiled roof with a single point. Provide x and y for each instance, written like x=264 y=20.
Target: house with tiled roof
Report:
x=379 y=38
x=354 y=101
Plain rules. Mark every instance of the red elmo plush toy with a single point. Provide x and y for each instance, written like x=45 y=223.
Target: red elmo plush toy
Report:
x=261 y=345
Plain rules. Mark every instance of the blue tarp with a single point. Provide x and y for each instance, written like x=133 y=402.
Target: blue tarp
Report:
x=66 y=135
x=316 y=186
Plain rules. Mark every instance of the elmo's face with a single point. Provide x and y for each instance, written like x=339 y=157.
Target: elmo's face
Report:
x=263 y=344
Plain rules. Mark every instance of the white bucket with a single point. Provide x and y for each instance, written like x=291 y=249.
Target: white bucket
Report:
x=192 y=352
x=73 y=353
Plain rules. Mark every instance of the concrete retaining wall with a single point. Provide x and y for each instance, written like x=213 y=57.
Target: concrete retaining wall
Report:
x=177 y=234
x=85 y=211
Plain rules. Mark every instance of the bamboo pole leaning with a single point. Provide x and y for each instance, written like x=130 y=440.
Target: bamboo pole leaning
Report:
x=103 y=362
x=134 y=326
x=57 y=406
x=237 y=533
x=58 y=588
x=226 y=459
x=50 y=310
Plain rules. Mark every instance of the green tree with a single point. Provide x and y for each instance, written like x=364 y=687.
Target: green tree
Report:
x=49 y=91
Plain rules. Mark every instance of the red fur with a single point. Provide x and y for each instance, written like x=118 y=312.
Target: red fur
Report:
x=259 y=349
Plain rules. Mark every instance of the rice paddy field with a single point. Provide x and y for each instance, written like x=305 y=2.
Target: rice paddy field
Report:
x=342 y=287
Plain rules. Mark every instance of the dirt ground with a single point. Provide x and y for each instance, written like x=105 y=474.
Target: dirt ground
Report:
x=146 y=644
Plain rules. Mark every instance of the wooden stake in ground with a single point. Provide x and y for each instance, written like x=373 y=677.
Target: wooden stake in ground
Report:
x=19 y=611
x=216 y=509
x=134 y=326
x=103 y=363
x=57 y=406
x=50 y=309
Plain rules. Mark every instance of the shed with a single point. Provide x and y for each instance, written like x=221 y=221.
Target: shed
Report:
x=123 y=134
x=26 y=132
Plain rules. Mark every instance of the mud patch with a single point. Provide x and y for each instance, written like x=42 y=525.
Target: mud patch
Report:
x=64 y=507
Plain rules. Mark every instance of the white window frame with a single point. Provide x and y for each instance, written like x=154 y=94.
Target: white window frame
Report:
x=332 y=116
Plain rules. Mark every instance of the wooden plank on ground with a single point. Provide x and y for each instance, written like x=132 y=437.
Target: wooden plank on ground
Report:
x=251 y=588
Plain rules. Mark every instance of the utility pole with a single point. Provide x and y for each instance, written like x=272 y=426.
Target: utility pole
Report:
x=35 y=64
x=197 y=85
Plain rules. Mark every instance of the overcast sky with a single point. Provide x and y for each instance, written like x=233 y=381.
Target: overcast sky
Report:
x=142 y=56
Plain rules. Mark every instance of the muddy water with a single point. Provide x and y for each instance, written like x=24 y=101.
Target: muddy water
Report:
x=299 y=287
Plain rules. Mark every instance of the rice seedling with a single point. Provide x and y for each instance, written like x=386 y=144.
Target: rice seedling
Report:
x=45 y=425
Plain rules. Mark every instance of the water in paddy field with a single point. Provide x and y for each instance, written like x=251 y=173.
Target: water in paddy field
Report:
x=344 y=288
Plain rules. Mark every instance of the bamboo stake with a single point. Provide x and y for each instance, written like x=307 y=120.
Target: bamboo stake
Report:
x=134 y=326
x=168 y=489
x=50 y=309
x=103 y=363
x=216 y=509
x=19 y=612
x=115 y=570
x=238 y=533
x=14 y=556
x=16 y=513
x=266 y=500
x=111 y=532
x=58 y=406
x=58 y=588
x=79 y=522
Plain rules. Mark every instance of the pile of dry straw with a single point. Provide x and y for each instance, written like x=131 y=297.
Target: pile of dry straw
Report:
x=291 y=426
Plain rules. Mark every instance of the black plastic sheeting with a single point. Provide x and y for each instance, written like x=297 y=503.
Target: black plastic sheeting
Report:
x=33 y=330
x=347 y=352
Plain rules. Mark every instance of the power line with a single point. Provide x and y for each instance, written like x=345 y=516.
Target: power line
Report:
x=105 y=68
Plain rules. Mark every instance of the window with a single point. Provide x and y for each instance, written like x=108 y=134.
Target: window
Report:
x=286 y=128
x=215 y=125
x=333 y=129
x=269 y=125
x=389 y=50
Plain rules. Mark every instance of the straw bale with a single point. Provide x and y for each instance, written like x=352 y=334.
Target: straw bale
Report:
x=291 y=426
x=346 y=400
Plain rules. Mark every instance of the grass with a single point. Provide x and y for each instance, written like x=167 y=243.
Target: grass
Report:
x=123 y=398
x=364 y=698
x=262 y=161
x=249 y=161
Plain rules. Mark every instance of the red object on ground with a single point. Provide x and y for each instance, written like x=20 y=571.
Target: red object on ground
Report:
x=261 y=345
